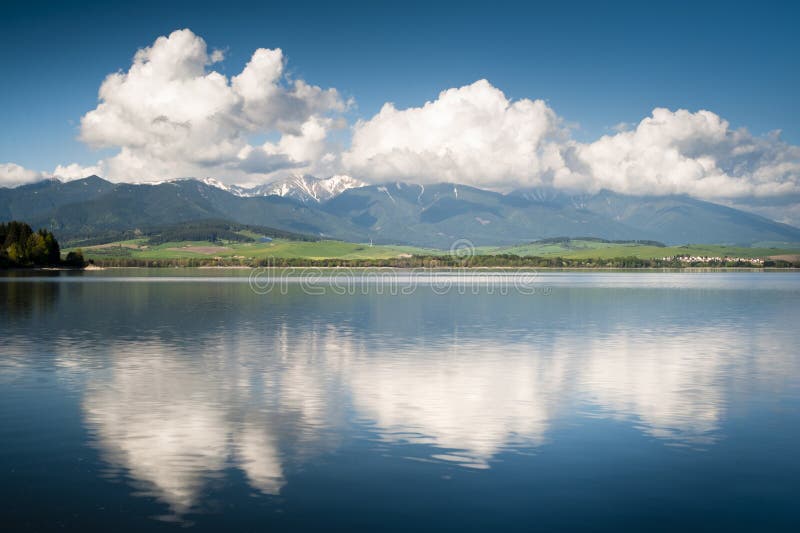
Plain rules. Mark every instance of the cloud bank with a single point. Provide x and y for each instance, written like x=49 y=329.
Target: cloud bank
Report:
x=475 y=135
x=171 y=114
x=12 y=175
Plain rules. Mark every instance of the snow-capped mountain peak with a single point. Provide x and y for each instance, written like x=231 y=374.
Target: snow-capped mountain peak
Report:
x=237 y=190
x=304 y=188
x=310 y=189
x=212 y=182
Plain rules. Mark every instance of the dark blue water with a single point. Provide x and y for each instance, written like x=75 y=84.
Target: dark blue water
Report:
x=134 y=400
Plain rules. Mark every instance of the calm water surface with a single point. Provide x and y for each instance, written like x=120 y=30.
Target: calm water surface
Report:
x=134 y=400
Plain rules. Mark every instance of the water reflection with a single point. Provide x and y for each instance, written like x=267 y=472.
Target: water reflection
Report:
x=28 y=300
x=172 y=403
x=173 y=416
x=166 y=423
x=173 y=419
x=467 y=399
x=670 y=386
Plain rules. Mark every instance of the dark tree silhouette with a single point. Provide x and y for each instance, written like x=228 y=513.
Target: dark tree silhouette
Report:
x=21 y=247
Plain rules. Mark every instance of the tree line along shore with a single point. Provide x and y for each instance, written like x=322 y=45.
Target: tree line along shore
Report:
x=21 y=247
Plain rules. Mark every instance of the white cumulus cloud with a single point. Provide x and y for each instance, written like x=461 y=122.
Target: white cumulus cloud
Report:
x=12 y=175
x=679 y=152
x=75 y=171
x=472 y=135
x=170 y=115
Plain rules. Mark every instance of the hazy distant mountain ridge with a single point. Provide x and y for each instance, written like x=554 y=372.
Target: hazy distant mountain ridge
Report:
x=344 y=208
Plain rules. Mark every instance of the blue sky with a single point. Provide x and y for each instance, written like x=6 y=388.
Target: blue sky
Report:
x=596 y=65
x=559 y=77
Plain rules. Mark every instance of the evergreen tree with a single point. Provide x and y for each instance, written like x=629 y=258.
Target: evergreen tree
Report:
x=20 y=246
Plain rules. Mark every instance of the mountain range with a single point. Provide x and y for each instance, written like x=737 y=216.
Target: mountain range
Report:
x=344 y=208
x=303 y=188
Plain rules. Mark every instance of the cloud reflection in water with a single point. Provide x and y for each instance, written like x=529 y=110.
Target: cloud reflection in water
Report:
x=173 y=419
x=266 y=386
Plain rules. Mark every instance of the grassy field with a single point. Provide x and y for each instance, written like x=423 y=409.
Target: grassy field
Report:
x=139 y=249
x=576 y=249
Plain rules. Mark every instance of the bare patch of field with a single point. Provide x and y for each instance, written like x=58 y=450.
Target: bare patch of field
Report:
x=116 y=245
x=786 y=257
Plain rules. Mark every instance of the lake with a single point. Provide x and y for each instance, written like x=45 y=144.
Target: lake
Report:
x=216 y=400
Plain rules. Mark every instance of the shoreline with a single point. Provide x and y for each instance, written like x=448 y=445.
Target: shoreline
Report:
x=93 y=268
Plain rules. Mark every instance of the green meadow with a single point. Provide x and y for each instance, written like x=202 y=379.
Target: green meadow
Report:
x=140 y=249
x=278 y=248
